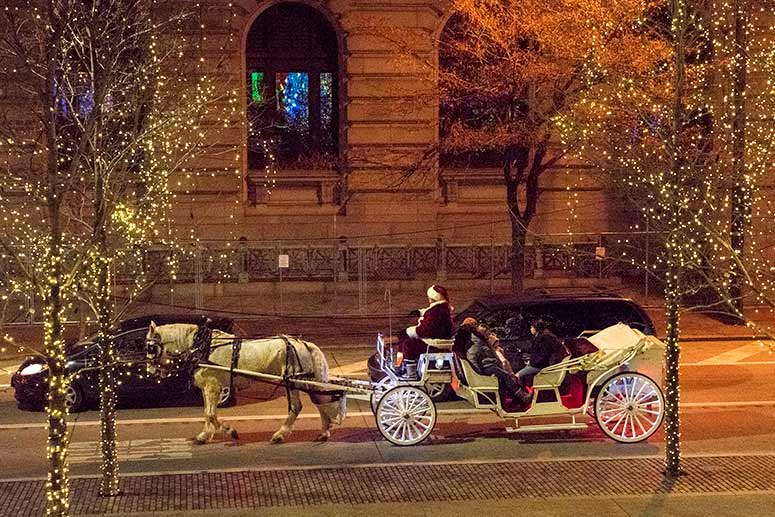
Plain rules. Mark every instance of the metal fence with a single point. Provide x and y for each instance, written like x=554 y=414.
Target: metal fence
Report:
x=197 y=265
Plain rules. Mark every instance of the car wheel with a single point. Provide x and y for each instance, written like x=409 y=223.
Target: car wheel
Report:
x=226 y=398
x=74 y=399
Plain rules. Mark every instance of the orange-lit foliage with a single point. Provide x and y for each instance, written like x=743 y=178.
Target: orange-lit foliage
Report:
x=509 y=69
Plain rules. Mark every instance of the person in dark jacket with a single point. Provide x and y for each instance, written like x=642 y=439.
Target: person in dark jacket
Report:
x=546 y=349
x=480 y=347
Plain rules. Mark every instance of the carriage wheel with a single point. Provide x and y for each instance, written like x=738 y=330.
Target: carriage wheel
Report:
x=406 y=415
x=629 y=407
x=439 y=391
x=380 y=388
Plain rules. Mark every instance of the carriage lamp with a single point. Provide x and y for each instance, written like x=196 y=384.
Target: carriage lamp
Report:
x=399 y=358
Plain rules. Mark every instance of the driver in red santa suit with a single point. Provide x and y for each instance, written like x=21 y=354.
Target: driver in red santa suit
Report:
x=435 y=323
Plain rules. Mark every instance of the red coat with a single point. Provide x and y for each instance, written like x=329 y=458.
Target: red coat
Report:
x=435 y=323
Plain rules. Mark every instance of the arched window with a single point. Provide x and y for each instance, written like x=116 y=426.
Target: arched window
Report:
x=292 y=60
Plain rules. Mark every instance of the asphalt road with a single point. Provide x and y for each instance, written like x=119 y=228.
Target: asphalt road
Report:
x=728 y=407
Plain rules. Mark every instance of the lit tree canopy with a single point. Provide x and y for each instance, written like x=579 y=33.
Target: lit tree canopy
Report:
x=508 y=70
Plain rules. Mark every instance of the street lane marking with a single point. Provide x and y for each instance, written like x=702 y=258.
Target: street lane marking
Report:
x=282 y=416
x=735 y=355
x=134 y=450
x=738 y=363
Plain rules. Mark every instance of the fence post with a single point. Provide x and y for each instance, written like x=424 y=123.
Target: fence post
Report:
x=362 y=273
x=341 y=259
x=441 y=268
x=538 y=250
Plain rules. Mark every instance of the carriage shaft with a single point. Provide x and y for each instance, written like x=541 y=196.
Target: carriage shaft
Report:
x=302 y=384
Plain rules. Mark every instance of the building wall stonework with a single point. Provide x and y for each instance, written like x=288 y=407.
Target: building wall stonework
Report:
x=387 y=121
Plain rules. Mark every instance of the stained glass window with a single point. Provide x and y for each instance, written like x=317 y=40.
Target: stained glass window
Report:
x=293 y=99
x=292 y=59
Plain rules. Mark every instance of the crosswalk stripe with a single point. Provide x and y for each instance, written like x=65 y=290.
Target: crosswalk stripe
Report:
x=733 y=356
x=134 y=450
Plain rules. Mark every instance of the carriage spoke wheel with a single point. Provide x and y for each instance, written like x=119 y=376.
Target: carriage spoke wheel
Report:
x=406 y=415
x=629 y=407
x=380 y=388
x=438 y=391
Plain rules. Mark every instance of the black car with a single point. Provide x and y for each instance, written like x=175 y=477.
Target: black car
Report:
x=30 y=380
x=566 y=316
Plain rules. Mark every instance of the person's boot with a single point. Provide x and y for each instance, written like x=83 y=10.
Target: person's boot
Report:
x=523 y=397
x=410 y=370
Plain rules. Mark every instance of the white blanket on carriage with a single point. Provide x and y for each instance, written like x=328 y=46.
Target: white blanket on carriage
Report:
x=617 y=337
x=615 y=343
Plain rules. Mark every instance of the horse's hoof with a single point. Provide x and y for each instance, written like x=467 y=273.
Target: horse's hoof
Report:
x=200 y=441
x=277 y=438
x=322 y=437
x=234 y=434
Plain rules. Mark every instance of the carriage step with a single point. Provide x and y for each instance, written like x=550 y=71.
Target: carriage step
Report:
x=546 y=427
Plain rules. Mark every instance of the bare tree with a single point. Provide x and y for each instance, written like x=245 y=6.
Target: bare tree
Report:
x=122 y=104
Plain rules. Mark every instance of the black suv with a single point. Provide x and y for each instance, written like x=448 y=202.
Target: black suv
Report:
x=566 y=315
x=129 y=336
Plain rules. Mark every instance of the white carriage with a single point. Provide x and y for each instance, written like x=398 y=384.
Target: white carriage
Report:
x=619 y=386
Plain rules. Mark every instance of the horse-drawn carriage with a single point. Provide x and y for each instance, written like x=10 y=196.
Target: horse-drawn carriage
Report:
x=618 y=385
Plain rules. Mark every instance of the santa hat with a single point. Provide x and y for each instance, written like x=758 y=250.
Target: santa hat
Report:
x=437 y=293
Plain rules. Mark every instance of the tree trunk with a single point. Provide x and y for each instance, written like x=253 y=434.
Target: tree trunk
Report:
x=741 y=198
x=673 y=248
x=109 y=483
x=58 y=481
x=518 y=241
x=672 y=381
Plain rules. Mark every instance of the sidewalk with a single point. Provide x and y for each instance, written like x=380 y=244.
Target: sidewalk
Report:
x=712 y=485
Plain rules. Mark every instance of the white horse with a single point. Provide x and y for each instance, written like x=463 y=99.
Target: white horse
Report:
x=268 y=356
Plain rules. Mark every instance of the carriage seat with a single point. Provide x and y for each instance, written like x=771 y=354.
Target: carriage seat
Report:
x=552 y=376
x=474 y=379
x=441 y=344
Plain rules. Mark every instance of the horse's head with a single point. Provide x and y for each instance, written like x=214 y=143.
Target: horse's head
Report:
x=153 y=346
x=154 y=351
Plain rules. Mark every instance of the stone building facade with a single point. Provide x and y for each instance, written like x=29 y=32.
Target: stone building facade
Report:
x=366 y=121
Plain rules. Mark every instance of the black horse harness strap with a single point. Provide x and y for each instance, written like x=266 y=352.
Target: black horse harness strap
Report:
x=202 y=342
x=290 y=373
x=236 y=348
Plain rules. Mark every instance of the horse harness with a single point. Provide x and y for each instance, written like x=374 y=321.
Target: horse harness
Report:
x=202 y=347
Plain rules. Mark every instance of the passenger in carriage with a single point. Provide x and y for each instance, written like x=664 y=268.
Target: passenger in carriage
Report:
x=546 y=349
x=435 y=322
x=482 y=350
